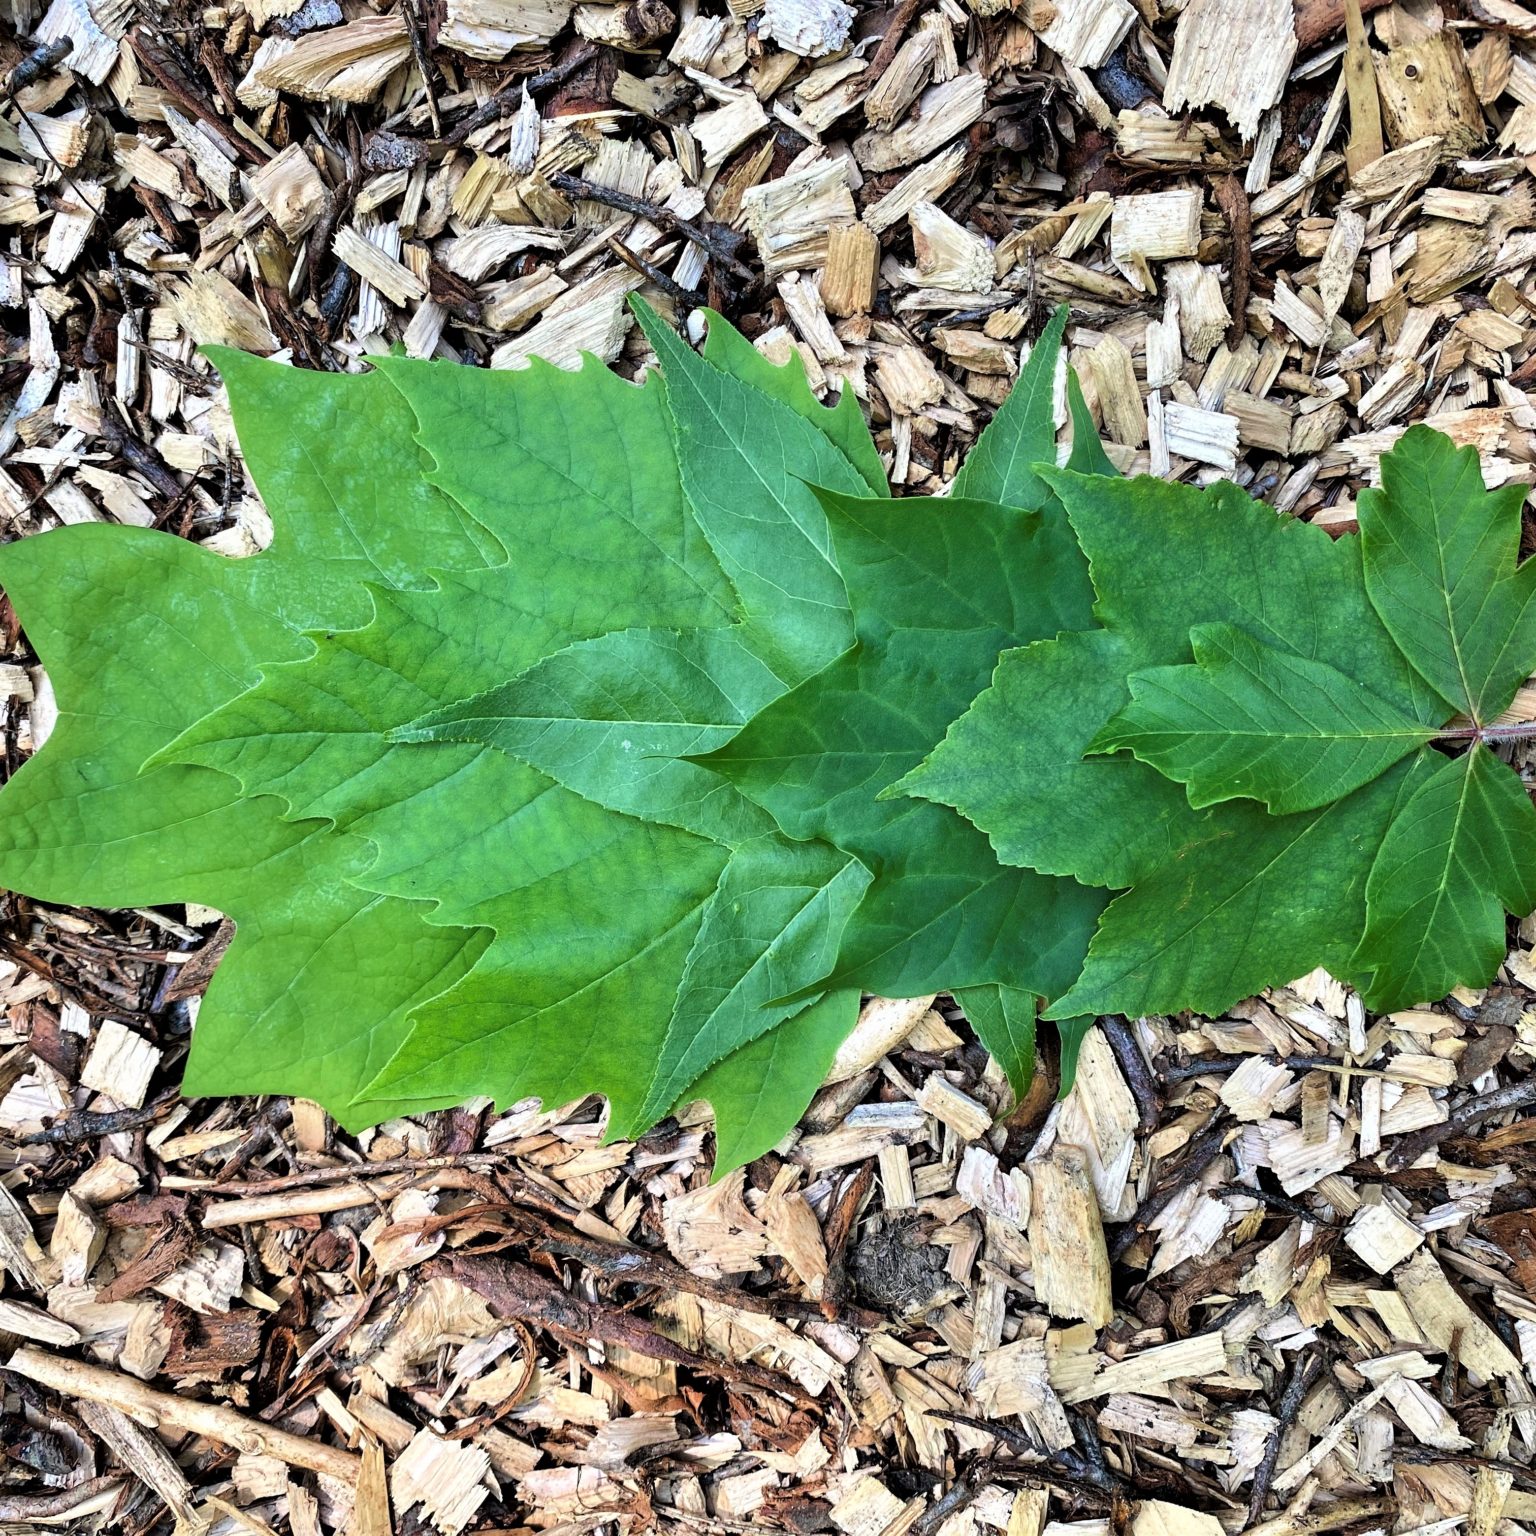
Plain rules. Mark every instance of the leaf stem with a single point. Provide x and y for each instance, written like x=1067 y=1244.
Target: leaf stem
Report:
x=1524 y=731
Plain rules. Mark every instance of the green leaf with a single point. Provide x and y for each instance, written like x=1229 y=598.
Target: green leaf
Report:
x=1440 y=555
x=1002 y=466
x=775 y=919
x=1212 y=913
x=1461 y=850
x=616 y=718
x=1251 y=900
x=761 y=1089
x=1247 y=721
x=1014 y=766
x=1004 y=1021
x=143 y=634
x=938 y=587
x=451 y=818
x=1087 y=456
x=843 y=423
x=748 y=464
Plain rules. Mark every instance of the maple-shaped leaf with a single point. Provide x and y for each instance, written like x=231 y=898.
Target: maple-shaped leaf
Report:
x=1441 y=567
x=142 y=635
x=1225 y=900
x=937 y=589
x=583 y=932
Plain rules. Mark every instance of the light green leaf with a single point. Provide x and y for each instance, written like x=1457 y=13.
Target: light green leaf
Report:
x=1440 y=555
x=776 y=919
x=748 y=464
x=760 y=1090
x=1250 y=722
x=1461 y=850
x=616 y=718
x=1002 y=465
x=1004 y=1021
x=844 y=423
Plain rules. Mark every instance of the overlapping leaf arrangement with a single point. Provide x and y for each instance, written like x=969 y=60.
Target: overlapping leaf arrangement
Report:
x=571 y=736
x=1244 y=750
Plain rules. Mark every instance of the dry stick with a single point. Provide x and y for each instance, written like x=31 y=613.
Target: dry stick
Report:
x=1233 y=202
x=1411 y=1148
x=1302 y=1374
x=894 y=32
x=23 y=1508
x=721 y=247
x=210 y=1420
x=1203 y=1151
x=508 y=98
x=1138 y=1075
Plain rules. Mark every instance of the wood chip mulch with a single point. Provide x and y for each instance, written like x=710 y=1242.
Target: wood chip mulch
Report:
x=1274 y=1272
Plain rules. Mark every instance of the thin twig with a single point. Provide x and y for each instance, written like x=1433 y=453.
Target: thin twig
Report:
x=1411 y=1148
x=1202 y=1152
x=1303 y=1371
x=1138 y=1075
x=722 y=246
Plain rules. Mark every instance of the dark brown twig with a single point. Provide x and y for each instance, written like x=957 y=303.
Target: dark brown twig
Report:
x=1303 y=1372
x=1203 y=1151
x=1138 y=1075
x=1212 y=1065
x=895 y=31
x=1233 y=202
x=514 y=1290
x=507 y=99
x=720 y=243
x=88 y=1124
x=1411 y=1148
x=689 y=298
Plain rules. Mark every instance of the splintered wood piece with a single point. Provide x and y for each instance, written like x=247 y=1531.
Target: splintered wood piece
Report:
x=1234 y=54
x=1365 y=138
x=925 y=183
x=940 y=1098
x=368 y=256
x=1066 y=1238
x=790 y=218
x=445 y=1477
x=1114 y=381
x=1153 y=226
x=942 y=112
x=145 y=1457
x=121 y=1064
x=490 y=29
x=1382 y=1238
x=1083 y=32
x=1157 y=1517
x=1157 y=140
x=883 y=1023
x=849 y=281
x=1207 y=437
x=947 y=254
x=810 y=28
x=290 y=189
x=1182 y=1360
x=722 y=132
x=866 y=1508
x=346 y=63
x=1426 y=91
